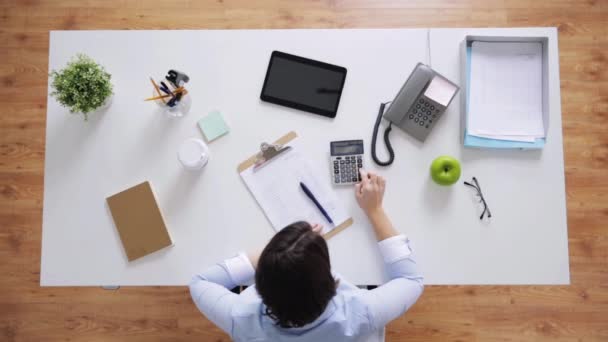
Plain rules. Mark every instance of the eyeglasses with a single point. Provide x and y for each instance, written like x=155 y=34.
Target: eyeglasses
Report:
x=486 y=209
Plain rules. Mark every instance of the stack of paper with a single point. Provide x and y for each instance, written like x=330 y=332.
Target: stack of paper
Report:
x=505 y=100
x=276 y=187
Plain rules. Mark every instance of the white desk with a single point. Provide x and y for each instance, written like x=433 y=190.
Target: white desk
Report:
x=211 y=215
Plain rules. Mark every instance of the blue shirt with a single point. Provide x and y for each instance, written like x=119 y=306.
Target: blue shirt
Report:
x=353 y=314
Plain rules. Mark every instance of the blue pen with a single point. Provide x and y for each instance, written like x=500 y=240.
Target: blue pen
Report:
x=312 y=197
x=166 y=89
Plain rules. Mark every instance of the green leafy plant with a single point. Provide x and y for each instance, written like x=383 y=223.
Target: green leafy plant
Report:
x=82 y=86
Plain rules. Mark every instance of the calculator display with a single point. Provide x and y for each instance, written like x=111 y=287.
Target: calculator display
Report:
x=344 y=148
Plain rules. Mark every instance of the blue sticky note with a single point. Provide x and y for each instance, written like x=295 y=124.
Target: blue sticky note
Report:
x=213 y=126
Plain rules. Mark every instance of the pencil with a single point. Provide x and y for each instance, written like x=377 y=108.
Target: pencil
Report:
x=157 y=90
x=157 y=97
x=183 y=91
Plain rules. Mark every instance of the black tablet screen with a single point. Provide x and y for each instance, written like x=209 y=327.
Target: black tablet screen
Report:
x=304 y=84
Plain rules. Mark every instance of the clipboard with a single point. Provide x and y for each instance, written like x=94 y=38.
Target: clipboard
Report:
x=266 y=155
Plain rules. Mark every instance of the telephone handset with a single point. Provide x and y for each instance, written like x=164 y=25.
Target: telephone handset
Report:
x=419 y=104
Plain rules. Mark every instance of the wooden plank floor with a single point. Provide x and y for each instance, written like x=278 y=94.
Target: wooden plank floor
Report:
x=445 y=313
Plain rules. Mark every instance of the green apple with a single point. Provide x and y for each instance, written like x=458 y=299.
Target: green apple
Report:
x=445 y=170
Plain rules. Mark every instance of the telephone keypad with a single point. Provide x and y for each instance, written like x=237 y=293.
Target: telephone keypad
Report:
x=346 y=169
x=423 y=113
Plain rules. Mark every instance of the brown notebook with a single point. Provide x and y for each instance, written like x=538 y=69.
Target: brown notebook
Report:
x=139 y=222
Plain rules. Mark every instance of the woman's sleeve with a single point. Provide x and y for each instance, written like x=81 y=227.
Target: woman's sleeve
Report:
x=210 y=290
x=395 y=297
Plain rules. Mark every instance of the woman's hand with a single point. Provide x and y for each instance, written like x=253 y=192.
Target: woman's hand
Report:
x=317 y=228
x=253 y=257
x=370 y=192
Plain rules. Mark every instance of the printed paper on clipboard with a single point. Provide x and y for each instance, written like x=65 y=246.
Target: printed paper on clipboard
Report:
x=276 y=187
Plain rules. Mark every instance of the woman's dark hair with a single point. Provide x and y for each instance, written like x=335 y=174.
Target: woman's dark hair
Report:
x=294 y=277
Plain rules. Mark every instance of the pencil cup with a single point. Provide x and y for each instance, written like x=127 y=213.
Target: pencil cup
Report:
x=180 y=109
x=193 y=154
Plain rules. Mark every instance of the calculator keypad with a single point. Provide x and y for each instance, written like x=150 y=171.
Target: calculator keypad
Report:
x=346 y=169
x=423 y=113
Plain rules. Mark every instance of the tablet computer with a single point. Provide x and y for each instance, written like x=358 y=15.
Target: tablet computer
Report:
x=303 y=84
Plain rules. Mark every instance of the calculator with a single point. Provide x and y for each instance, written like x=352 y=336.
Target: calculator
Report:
x=346 y=158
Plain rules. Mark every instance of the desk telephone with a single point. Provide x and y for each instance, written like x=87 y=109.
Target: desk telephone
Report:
x=419 y=104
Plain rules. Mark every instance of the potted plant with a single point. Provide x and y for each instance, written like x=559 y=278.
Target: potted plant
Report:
x=83 y=86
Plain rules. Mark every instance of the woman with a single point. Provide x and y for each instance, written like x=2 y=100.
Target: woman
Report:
x=297 y=298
